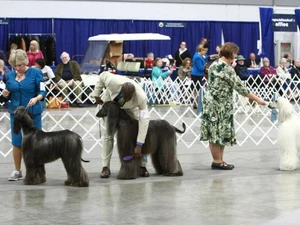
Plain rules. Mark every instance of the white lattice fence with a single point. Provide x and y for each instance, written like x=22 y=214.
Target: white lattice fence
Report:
x=253 y=123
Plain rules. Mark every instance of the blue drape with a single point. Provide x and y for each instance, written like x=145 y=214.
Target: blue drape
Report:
x=72 y=34
x=23 y=26
x=267 y=34
x=244 y=34
x=297 y=13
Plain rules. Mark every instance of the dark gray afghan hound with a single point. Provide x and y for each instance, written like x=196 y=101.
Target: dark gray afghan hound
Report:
x=39 y=147
x=160 y=142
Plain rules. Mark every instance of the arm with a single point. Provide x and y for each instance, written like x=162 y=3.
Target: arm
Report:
x=100 y=84
x=157 y=72
x=58 y=72
x=235 y=82
x=180 y=73
x=75 y=71
x=144 y=120
x=40 y=88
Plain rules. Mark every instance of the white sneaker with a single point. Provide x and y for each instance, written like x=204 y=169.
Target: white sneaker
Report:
x=16 y=175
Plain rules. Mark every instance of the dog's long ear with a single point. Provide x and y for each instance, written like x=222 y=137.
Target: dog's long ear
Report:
x=286 y=109
x=113 y=113
x=17 y=121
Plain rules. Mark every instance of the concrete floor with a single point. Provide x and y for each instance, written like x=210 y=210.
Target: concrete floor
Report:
x=255 y=192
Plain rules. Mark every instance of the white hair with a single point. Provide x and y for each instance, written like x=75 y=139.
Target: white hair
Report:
x=18 y=57
x=65 y=54
x=282 y=60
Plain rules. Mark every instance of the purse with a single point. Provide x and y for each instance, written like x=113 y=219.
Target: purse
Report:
x=54 y=102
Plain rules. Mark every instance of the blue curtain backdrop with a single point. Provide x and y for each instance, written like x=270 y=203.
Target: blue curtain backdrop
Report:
x=244 y=34
x=267 y=34
x=297 y=13
x=72 y=34
x=24 y=26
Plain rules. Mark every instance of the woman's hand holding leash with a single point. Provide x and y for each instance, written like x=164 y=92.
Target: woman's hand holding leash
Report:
x=5 y=93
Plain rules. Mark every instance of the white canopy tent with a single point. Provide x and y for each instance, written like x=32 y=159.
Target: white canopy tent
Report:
x=129 y=37
x=97 y=45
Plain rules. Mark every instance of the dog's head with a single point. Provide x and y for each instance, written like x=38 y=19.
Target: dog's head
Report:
x=111 y=110
x=284 y=106
x=21 y=115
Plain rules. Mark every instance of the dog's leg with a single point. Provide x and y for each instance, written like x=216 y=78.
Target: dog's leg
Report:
x=129 y=170
x=156 y=163
x=77 y=176
x=42 y=173
x=32 y=171
x=168 y=159
x=288 y=158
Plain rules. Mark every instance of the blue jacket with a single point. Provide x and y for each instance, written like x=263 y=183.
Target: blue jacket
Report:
x=242 y=71
x=157 y=77
x=22 y=92
x=198 y=65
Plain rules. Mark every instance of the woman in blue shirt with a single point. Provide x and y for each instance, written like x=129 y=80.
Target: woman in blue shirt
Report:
x=157 y=76
x=24 y=87
x=198 y=69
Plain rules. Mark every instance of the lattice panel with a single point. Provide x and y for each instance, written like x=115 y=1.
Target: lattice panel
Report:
x=253 y=123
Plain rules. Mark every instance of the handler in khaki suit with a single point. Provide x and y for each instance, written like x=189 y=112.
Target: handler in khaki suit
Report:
x=135 y=105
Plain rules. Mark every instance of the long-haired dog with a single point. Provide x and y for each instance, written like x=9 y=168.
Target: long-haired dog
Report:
x=39 y=147
x=288 y=134
x=160 y=142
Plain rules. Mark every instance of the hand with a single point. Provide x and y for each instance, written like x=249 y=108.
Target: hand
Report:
x=51 y=86
x=138 y=151
x=99 y=101
x=260 y=101
x=5 y=93
x=32 y=102
x=71 y=83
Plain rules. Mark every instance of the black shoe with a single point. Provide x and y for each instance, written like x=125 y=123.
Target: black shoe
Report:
x=228 y=164
x=105 y=172
x=221 y=166
x=79 y=105
x=144 y=172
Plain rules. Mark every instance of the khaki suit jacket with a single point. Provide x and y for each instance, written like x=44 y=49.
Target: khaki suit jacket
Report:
x=137 y=107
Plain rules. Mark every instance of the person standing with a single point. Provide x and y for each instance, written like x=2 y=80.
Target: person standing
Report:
x=131 y=97
x=198 y=70
x=34 y=52
x=24 y=87
x=181 y=54
x=217 y=124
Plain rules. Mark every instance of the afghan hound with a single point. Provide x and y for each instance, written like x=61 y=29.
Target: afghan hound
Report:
x=160 y=142
x=39 y=147
x=288 y=134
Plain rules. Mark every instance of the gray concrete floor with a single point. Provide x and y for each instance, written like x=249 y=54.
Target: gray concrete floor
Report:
x=255 y=192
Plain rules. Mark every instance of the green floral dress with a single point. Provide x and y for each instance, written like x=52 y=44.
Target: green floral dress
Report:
x=217 y=124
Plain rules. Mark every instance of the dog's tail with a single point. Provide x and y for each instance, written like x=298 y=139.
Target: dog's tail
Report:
x=181 y=131
x=86 y=161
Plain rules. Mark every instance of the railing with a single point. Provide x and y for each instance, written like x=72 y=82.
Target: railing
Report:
x=253 y=123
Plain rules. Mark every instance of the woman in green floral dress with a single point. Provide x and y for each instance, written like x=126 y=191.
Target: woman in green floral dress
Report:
x=217 y=124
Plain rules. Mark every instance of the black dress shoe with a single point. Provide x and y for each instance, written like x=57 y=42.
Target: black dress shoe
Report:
x=221 y=166
x=105 y=172
x=144 y=172
x=229 y=164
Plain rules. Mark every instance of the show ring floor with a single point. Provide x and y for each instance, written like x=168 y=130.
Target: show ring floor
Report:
x=255 y=192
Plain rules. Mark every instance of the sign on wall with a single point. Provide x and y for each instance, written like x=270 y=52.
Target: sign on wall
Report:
x=4 y=21
x=284 y=22
x=171 y=25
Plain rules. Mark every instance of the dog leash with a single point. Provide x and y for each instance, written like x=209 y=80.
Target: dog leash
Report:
x=100 y=128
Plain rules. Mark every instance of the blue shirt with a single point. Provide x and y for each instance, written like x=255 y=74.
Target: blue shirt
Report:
x=21 y=92
x=157 y=77
x=199 y=62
